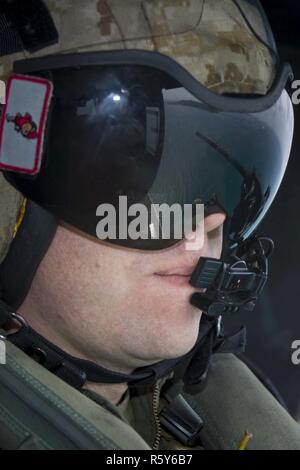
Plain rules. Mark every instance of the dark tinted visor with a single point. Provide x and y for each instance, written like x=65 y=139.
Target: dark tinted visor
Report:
x=135 y=131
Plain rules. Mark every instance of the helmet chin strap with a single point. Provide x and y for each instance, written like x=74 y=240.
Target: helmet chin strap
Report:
x=233 y=282
x=76 y=371
x=26 y=252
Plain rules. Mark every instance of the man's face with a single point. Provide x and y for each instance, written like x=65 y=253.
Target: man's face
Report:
x=122 y=308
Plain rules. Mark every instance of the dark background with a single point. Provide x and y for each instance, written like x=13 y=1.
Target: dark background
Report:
x=275 y=323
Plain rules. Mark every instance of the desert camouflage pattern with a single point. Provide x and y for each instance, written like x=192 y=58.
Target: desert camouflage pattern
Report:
x=209 y=38
x=10 y=204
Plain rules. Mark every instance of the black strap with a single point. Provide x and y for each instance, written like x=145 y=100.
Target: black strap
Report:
x=77 y=371
x=181 y=417
x=72 y=370
x=5 y=313
x=26 y=253
x=193 y=369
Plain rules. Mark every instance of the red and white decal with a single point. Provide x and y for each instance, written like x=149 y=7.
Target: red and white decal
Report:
x=23 y=123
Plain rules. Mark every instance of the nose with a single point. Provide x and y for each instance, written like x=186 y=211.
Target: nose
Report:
x=213 y=221
x=205 y=229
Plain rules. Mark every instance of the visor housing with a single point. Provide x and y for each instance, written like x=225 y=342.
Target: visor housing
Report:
x=156 y=143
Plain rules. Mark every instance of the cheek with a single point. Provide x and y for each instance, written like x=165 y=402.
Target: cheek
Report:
x=215 y=240
x=111 y=280
x=160 y=324
x=157 y=303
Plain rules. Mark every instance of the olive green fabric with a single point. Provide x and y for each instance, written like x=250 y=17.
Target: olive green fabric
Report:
x=37 y=407
x=137 y=409
x=40 y=411
x=235 y=401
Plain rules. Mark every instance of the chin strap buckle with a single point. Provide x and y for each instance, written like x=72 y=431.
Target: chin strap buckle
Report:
x=180 y=420
x=229 y=286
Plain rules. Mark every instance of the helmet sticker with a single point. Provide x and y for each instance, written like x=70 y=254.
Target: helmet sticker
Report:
x=23 y=123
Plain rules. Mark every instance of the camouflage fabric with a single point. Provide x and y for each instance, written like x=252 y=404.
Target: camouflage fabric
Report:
x=10 y=203
x=208 y=38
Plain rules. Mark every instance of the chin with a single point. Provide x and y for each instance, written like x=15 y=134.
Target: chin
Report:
x=181 y=348
x=177 y=343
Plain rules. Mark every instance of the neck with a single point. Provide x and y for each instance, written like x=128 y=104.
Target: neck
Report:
x=112 y=392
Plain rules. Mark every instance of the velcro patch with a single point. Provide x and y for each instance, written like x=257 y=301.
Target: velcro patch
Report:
x=23 y=122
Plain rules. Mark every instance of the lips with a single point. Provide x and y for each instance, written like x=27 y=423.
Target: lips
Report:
x=185 y=271
x=177 y=277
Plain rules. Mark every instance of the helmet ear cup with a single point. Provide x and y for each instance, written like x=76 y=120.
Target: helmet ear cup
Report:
x=31 y=27
x=26 y=253
x=11 y=42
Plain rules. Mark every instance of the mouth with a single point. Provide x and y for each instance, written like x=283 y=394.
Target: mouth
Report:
x=178 y=276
